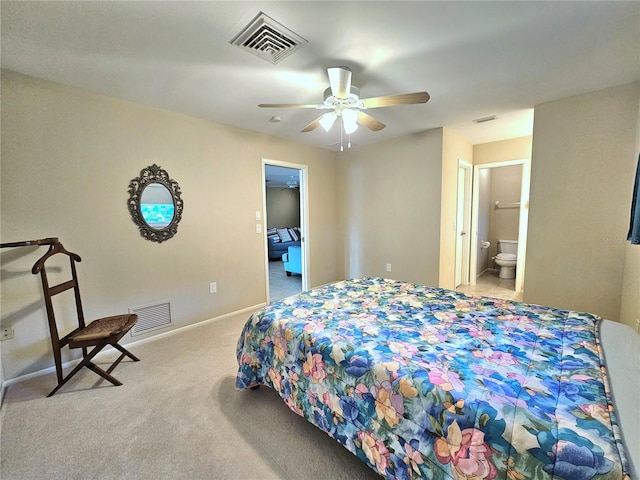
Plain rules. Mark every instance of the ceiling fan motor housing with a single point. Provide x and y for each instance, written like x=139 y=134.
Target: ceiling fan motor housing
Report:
x=352 y=100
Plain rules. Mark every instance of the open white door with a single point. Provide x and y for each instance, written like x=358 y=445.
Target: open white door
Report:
x=463 y=223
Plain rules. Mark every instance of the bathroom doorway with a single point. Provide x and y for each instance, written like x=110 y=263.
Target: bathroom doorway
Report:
x=484 y=241
x=284 y=210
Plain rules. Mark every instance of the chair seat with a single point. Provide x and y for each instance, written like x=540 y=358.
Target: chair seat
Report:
x=103 y=328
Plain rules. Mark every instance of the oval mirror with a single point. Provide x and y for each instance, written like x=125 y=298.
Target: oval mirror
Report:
x=155 y=204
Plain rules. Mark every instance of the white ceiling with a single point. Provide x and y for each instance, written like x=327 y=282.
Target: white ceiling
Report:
x=474 y=58
x=281 y=177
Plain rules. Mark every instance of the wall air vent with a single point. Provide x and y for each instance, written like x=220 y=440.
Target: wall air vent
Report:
x=267 y=39
x=151 y=317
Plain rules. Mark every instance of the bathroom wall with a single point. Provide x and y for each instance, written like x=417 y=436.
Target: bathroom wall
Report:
x=497 y=184
x=506 y=183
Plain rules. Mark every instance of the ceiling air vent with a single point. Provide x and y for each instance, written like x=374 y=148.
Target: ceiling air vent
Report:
x=267 y=39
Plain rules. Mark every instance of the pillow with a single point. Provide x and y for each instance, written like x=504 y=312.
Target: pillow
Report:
x=272 y=235
x=283 y=233
x=293 y=234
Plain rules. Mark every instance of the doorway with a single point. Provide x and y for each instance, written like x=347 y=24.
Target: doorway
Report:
x=285 y=213
x=480 y=208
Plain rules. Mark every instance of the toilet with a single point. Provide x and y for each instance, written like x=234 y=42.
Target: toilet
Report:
x=507 y=258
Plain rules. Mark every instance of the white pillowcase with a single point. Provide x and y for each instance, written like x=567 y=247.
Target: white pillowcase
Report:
x=283 y=233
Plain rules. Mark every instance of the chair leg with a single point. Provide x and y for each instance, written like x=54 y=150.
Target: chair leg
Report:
x=126 y=352
x=94 y=368
x=86 y=361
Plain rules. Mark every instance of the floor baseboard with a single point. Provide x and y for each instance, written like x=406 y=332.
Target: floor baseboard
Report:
x=110 y=350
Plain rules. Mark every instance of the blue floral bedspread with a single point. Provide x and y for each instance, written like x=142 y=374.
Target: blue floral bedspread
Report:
x=421 y=382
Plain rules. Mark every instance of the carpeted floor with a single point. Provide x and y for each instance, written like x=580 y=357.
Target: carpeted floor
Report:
x=177 y=416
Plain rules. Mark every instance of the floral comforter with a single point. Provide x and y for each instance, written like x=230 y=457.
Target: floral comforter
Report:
x=420 y=382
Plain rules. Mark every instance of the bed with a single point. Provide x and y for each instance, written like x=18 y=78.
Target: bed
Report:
x=422 y=382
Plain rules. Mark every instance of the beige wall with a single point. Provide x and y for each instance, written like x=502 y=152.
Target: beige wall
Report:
x=283 y=207
x=390 y=196
x=583 y=162
x=68 y=156
x=454 y=148
x=67 y=159
x=630 y=307
x=503 y=150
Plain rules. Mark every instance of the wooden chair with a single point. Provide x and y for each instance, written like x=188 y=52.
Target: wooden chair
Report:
x=98 y=334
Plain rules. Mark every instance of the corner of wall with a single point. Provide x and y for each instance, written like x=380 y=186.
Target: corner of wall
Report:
x=630 y=301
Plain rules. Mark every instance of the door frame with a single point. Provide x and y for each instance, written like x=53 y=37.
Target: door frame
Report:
x=303 y=172
x=524 y=218
x=463 y=210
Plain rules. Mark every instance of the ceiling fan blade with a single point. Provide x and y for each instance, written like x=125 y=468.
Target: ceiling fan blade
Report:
x=288 y=105
x=390 y=100
x=340 y=81
x=312 y=126
x=368 y=121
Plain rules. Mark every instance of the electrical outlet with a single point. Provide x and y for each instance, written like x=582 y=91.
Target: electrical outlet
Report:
x=388 y=267
x=6 y=333
x=213 y=287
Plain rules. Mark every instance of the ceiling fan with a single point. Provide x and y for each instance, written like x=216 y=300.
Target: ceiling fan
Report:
x=343 y=100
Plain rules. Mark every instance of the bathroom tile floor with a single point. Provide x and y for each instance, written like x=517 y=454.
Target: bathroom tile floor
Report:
x=490 y=285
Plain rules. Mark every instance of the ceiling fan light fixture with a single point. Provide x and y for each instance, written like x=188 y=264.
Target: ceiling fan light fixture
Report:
x=327 y=120
x=342 y=98
x=349 y=120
